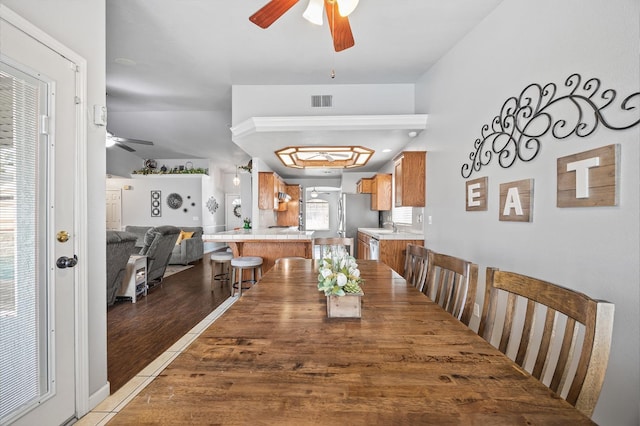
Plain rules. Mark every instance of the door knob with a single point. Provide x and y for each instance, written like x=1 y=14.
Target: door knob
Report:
x=67 y=262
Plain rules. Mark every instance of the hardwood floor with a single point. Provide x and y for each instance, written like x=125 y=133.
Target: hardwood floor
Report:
x=138 y=333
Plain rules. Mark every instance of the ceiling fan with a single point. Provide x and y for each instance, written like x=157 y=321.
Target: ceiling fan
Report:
x=120 y=142
x=336 y=10
x=330 y=157
x=314 y=193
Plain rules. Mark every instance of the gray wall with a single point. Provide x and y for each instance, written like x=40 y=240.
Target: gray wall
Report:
x=80 y=25
x=593 y=250
x=121 y=163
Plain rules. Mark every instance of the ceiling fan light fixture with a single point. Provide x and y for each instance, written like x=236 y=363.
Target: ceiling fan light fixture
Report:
x=336 y=18
x=313 y=12
x=345 y=7
x=109 y=141
x=336 y=157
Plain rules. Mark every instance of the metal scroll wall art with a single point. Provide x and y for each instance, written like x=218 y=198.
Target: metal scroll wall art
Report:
x=515 y=133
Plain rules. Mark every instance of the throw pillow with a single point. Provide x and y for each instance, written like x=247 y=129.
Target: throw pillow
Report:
x=183 y=236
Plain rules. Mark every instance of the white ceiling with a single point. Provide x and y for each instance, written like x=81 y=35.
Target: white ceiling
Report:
x=171 y=64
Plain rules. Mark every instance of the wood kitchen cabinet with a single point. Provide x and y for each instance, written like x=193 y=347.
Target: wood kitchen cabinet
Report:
x=392 y=252
x=364 y=186
x=269 y=184
x=410 y=175
x=363 y=246
x=381 y=192
x=290 y=216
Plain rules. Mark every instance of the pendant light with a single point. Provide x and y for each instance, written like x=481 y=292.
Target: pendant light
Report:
x=236 y=178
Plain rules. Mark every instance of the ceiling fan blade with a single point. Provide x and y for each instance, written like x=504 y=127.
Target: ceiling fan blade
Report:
x=125 y=147
x=339 y=26
x=327 y=157
x=271 y=12
x=127 y=140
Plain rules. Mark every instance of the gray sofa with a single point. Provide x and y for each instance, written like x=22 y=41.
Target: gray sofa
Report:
x=189 y=250
x=157 y=243
x=119 y=247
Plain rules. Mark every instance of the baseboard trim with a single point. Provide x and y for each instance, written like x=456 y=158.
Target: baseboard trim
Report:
x=99 y=396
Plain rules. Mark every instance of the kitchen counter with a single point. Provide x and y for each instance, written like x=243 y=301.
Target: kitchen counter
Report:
x=387 y=246
x=388 y=234
x=269 y=244
x=260 y=234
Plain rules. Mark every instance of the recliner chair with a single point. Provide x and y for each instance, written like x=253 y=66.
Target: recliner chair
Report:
x=158 y=245
x=119 y=247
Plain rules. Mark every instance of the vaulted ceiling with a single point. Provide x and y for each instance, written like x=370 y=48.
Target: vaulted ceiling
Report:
x=171 y=63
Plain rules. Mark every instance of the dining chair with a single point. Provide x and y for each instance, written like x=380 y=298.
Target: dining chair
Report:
x=320 y=245
x=451 y=282
x=570 y=361
x=415 y=265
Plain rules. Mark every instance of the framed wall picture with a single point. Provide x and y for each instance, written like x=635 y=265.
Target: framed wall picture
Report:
x=156 y=203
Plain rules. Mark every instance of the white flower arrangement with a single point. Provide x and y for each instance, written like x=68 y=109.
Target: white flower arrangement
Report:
x=339 y=274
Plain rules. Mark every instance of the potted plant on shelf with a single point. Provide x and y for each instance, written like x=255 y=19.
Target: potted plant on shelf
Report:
x=339 y=279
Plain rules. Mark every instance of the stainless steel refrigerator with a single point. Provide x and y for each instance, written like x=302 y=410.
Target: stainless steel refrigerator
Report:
x=354 y=211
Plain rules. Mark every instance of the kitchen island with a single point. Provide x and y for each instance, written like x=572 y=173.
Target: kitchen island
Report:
x=269 y=244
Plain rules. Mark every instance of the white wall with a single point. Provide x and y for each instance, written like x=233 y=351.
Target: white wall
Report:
x=136 y=201
x=348 y=99
x=80 y=25
x=594 y=250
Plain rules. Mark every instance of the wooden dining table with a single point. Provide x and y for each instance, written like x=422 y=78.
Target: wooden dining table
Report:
x=275 y=358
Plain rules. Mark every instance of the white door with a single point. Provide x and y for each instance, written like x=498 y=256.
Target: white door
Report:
x=114 y=209
x=38 y=119
x=233 y=211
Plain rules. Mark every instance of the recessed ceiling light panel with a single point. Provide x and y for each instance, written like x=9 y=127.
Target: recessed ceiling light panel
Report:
x=336 y=157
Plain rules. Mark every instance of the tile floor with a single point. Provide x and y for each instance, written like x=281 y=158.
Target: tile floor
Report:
x=108 y=408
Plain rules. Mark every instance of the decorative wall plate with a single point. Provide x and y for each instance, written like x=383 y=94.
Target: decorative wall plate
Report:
x=174 y=200
x=212 y=204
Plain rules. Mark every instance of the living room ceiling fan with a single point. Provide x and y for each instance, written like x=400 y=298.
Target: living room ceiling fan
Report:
x=337 y=17
x=121 y=142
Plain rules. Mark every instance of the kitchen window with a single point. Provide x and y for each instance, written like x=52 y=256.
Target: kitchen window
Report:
x=317 y=215
x=402 y=215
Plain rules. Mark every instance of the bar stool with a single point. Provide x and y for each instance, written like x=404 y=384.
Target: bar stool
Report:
x=246 y=262
x=223 y=260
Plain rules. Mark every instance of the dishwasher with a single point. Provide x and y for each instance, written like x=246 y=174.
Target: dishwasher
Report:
x=374 y=249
